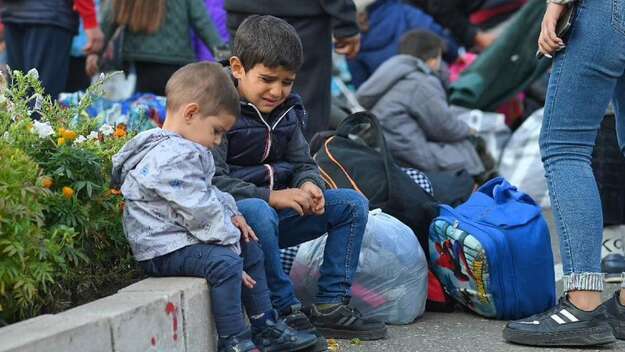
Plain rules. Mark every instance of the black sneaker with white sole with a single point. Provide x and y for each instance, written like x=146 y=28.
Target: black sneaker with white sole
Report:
x=562 y=325
x=616 y=315
x=279 y=337
x=295 y=318
x=344 y=322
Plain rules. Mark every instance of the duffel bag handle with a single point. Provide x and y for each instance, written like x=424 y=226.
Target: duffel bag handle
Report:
x=353 y=125
x=503 y=192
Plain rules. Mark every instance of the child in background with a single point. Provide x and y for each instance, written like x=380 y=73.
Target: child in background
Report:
x=410 y=101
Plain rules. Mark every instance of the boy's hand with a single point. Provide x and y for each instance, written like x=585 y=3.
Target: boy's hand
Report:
x=248 y=281
x=246 y=231
x=293 y=198
x=318 y=201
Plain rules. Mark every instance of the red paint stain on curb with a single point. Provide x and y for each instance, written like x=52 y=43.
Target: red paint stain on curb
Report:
x=171 y=309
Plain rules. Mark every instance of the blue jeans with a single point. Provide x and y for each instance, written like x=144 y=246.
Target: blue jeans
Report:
x=586 y=76
x=223 y=269
x=344 y=220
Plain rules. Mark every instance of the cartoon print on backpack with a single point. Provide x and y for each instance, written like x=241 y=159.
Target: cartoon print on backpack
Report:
x=451 y=254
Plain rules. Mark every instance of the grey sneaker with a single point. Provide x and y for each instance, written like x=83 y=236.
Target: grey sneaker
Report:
x=616 y=315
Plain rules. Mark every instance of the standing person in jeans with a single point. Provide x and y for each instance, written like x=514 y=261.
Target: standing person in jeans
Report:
x=317 y=22
x=586 y=75
x=265 y=156
x=157 y=37
x=39 y=35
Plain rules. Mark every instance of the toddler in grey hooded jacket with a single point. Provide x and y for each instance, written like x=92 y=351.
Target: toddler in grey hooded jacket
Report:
x=170 y=202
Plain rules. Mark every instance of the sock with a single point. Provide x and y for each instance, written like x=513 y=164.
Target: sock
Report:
x=259 y=321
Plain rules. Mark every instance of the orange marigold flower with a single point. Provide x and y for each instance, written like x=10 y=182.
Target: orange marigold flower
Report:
x=68 y=192
x=120 y=133
x=47 y=182
x=122 y=126
x=61 y=131
x=69 y=135
x=115 y=192
x=60 y=141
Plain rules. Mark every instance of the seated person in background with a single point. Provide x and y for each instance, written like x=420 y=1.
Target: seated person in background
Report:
x=409 y=100
x=454 y=14
x=382 y=24
x=266 y=156
x=179 y=224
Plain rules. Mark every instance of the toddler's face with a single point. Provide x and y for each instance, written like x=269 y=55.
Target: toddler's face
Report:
x=263 y=86
x=208 y=130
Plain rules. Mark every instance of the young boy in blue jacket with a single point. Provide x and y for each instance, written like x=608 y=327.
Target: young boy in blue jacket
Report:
x=266 y=156
x=179 y=224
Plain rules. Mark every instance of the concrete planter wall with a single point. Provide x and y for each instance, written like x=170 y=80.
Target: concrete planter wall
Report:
x=164 y=314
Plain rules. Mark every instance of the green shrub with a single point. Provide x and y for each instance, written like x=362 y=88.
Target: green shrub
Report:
x=62 y=244
x=33 y=257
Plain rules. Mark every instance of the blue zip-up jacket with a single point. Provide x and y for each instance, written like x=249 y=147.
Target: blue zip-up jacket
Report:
x=265 y=152
x=388 y=21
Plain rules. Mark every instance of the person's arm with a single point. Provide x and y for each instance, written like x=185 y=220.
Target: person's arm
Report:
x=434 y=114
x=298 y=155
x=450 y=14
x=86 y=11
x=204 y=25
x=344 y=26
x=95 y=37
x=198 y=205
x=238 y=188
x=343 y=14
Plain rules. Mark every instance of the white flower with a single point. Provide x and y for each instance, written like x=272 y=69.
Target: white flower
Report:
x=43 y=129
x=107 y=130
x=80 y=139
x=33 y=73
x=92 y=135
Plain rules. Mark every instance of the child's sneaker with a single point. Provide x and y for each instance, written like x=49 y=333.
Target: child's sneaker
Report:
x=238 y=343
x=342 y=322
x=562 y=325
x=296 y=319
x=616 y=315
x=277 y=336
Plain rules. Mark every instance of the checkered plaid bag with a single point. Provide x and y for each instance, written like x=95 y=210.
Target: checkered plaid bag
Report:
x=420 y=179
x=287 y=257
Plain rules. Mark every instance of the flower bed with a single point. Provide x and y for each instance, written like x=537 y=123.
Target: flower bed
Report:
x=61 y=239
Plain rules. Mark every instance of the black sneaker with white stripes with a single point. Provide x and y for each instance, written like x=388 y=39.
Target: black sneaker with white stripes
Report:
x=343 y=322
x=562 y=325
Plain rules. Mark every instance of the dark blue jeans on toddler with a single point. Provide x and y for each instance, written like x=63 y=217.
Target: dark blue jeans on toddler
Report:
x=345 y=219
x=223 y=269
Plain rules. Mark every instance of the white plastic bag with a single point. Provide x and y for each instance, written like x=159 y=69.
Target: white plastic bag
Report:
x=391 y=281
x=521 y=163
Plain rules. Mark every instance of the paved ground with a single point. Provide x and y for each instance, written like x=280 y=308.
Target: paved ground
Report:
x=458 y=331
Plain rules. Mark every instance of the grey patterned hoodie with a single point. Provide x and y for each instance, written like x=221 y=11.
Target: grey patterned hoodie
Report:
x=166 y=182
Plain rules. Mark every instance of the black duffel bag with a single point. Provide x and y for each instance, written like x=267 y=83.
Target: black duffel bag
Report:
x=356 y=157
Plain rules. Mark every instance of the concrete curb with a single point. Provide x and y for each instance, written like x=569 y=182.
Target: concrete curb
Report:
x=164 y=314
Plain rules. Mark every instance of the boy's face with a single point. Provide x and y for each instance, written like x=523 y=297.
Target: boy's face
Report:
x=207 y=130
x=263 y=86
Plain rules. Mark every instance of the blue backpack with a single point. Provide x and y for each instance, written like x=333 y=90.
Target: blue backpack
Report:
x=493 y=253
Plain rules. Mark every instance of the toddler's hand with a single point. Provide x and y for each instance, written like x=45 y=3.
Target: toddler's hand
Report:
x=248 y=281
x=246 y=231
